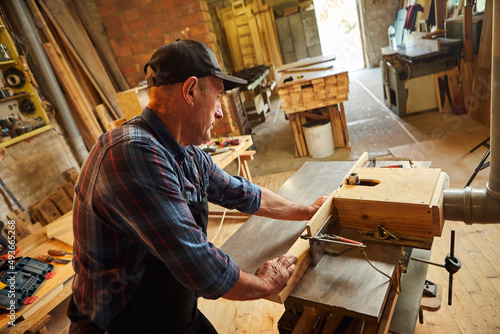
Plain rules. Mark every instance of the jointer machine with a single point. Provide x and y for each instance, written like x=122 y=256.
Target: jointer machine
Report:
x=378 y=219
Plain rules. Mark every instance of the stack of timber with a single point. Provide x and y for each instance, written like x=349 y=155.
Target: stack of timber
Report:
x=83 y=62
x=251 y=34
x=317 y=91
x=313 y=92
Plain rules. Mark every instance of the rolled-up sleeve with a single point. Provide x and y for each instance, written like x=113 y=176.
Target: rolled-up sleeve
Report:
x=232 y=192
x=144 y=200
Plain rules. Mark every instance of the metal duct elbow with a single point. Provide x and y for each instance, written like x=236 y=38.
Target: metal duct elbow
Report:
x=471 y=205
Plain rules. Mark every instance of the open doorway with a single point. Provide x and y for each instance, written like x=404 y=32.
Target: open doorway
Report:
x=338 y=26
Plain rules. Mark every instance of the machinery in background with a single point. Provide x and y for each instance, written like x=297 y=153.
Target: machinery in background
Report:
x=408 y=73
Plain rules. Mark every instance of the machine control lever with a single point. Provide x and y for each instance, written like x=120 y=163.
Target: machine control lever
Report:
x=452 y=264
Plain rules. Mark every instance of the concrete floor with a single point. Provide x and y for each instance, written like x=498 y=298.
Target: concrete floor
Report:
x=372 y=127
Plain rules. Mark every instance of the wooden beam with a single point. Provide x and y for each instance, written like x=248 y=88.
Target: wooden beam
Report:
x=89 y=125
x=481 y=84
x=89 y=14
x=72 y=34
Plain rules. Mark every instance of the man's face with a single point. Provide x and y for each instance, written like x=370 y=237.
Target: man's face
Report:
x=208 y=107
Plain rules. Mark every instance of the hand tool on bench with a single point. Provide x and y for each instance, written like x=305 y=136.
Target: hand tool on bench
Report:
x=58 y=252
x=50 y=259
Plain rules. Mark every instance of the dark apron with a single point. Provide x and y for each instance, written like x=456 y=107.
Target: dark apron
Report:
x=161 y=304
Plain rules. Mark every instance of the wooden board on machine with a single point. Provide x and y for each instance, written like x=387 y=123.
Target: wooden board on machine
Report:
x=407 y=201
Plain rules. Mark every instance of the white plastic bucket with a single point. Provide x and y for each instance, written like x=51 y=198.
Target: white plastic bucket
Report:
x=319 y=138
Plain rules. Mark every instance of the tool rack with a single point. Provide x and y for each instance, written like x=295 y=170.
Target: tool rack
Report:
x=23 y=90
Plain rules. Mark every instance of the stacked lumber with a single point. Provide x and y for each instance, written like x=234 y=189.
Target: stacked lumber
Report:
x=315 y=93
x=251 y=34
x=83 y=62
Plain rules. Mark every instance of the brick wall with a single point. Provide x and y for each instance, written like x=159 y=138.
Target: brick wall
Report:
x=33 y=169
x=136 y=28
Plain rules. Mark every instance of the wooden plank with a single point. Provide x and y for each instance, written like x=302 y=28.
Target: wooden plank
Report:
x=129 y=103
x=345 y=131
x=62 y=228
x=468 y=67
x=48 y=211
x=306 y=62
x=68 y=188
x=482 y=78
x=338 y=137
x=301 y=250
x=104 y=116
x=269 y=238
x=295 y=134
x=467 y=33
x=67 y=80
x=300 y=122
x=62 y=202
x=326 y=209
x=117 y=123
x=75 y=38
x=24 y=227
x=71 y=175
x=89 y=14
x=88 y=126
x=440 y=13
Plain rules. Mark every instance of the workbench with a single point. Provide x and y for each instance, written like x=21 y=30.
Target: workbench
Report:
x=317 y=90
x=239 y=154
x=344 y=284
x=409 y=74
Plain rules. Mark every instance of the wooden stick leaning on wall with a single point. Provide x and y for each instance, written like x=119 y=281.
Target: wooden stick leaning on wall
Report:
x=73 y=35
x=80 y=105
x=482 y=75
x=96 y=31
x=90 y=126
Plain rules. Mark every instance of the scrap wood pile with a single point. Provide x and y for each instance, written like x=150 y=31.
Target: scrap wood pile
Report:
x=82 y=59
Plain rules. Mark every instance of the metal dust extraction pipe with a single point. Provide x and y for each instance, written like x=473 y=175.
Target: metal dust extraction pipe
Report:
x=53 y=88
x=483 y=205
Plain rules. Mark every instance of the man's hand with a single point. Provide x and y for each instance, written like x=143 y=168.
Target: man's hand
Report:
x=277 y=272
x=319 y=202
x=275 y=206
x=269 y=279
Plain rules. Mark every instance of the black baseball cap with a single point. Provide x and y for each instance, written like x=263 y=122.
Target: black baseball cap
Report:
x=177 y=61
